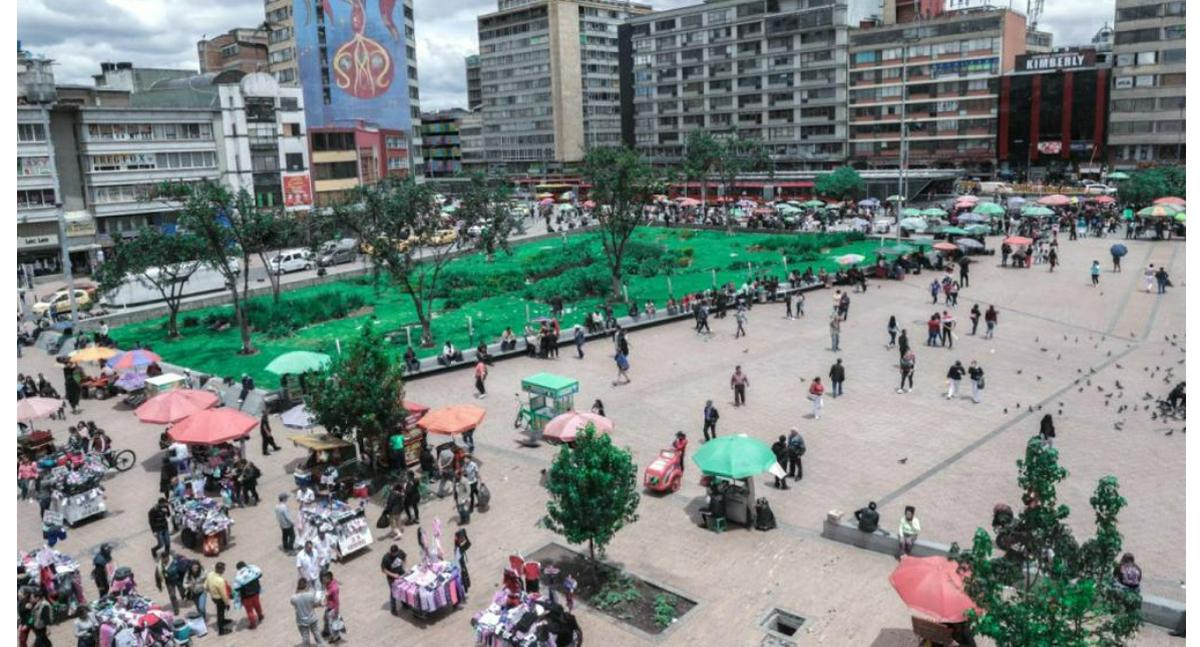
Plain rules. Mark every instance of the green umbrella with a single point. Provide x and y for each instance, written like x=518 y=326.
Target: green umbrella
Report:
x=977 y=229
x=989 y=209
x=1159 y=211
x=735 y=457
x=898 y=249
x=786 y=208
x=910 y=212
x=953 y=231
x=298 y=361
x=1118 y=175
x=1036 y=212
x=934 y=212
x=449 y=209
x=1180 y=217
x=736 y=212
x=813 y=203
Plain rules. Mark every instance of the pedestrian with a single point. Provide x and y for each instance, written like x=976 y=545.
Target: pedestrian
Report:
x=1116 y=258
x=1052 y=258
x=799 y=304
x=308 y=564
x=622 y=368
x=305 y=601
x=739 y=382
x=868 y=517
x=393 y=508
x=264 y=428
x=1046 y=430
x=780 y=449
x=835 y=333
x=1147 y=279
x=392 y=567
x=470 y=472
x=934 y=288
x=953 y=378
x=892 y=329
x=193 y=584
x=219 y=592
x=910 y=527
x=837 y=375
x=679 y=445
x=333 y=625
x=248 y=479
x=844 y=306
x=598 y=407
x=169 y=573
x=902 y=342
x=287 y=527
x=740 y=318
x=622 y=341
x=42 y=615
x=159 y=517
x=934 y=328
x=964 y=274
x=908 y=365
x=1096 y=274
x=1162 y=279
x=580 y=338
x=989 y=319
x=975 y=374
x=711 y=415
x=481 y=374
x=462 y=543
x=947 y=329
x=816 y=395
x=796 y=450
x=412 y=498
x=789 y=300
x=975 y=315
x=247 y=582
x=86 y=629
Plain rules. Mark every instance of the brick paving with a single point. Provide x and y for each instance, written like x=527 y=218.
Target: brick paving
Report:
x=952 y=460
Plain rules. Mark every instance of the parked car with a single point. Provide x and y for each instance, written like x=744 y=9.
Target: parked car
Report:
x=443 y=237
x=1095 y=188
x=336 y=252
x=292 y=260
x=61 y=302
x=994 y=188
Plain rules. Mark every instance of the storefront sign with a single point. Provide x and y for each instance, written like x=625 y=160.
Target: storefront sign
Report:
x=37 y=241
x=297 y=191
x=1050 y=148
x=1065 y=60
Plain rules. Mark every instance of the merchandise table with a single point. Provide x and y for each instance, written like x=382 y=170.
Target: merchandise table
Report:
x=132 y=620
x=429 y=588
x=203 y=524
x=57 y=575
x=347 y=524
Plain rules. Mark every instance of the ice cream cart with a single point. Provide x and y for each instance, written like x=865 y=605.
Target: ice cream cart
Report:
x=548 y=395
x=163 y=383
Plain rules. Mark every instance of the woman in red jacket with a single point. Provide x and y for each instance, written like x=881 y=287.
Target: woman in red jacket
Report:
x=816 y=392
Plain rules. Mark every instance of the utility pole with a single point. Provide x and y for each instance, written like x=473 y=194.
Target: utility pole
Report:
x=903 y=133
x=66 y=261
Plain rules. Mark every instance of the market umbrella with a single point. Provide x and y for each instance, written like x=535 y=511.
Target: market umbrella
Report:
x=786 y=208
x=450 y=209
x=868 y=202
x=213 y=427
x=37 y=407
x=1016 y=201
x=857 y=222
x=1159 y=211
x=747 y=204
x=973 y=217
x=953 y=231
x=898 y=249
x=736 y=457
x=1180 y=217
x=542 y=196
x=1036 y=212
x=298 y=416
x=1054 y=200
x=989 y=209
x=1118 y=250
x=965 y=204
x=934 y=212
x=973 y=199
x=944 y=246
x=564 y=427
x=915 y=224
x=588 y=204
x=1171 y=200
x=297 y=362
x=175 y=405
x=933 y=587
x=93 y=354
x=812 y=203
x=454 y=419
x=977 y=230
x=1118 y=175
x=131 y=381
x=911 y=212
x=850 y=259
x=1103 y=199
x=688 y=202
x=567 y=195
x=133 y=359
x=968 y=243
x=1018 y=241
x=545 y=201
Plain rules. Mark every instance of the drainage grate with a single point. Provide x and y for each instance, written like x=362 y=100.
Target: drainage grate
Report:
x=781 y=625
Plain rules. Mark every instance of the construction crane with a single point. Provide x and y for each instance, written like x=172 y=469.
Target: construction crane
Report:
x=1033 y=12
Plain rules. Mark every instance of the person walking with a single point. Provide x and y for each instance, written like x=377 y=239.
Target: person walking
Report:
x=287 y=527
x=305 y=601
x=193 y=584
x=308 y=564
x=908 y=365
x=711 y=415
x=910 y=528
x=975 y=315
x=837 y=375
x=740 y=318
x=1147 y=280
x=953 y=378
x=412 y=498
x=1162 y=279
x=393 y=508
x=42 y=616
x=102 y=568
x=892 y=329
x=739 y=382
x=799 y=305
x=580 y=337
x=159 y=520
x=169 y=573
x=947 y=329
x=470 y=473
x=989 y=319
x=902 y=342
x=1052 y=258
x=934 y=329
x=835 y=333
x=219 y=592
x=248 y=480
x=1116 y=258
x=935 y=287
x=247 y=583
x=975 y=374
x=780 y=449
x=333 y=625
x=1046 y=430
x=796 y=450
x=622 y=368
x=816 y=395
x=392 y=567
x=844 y=306
x=964 y=274
x=481 y=374
x=264 y=429
x=1096 y=274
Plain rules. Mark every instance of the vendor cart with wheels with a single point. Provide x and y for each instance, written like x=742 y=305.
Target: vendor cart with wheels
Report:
x=36 y=444
x=324 y=451
x=665 y=472
x=548 y=395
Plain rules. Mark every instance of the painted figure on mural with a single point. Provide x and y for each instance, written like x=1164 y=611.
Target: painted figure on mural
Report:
x=362 y=67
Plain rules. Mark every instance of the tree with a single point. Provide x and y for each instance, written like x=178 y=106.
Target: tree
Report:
x=1147 y=185
x=701 y=154
x=1048 y=589
x=844 y=182
x=622 y=183
x=157 y=260
x=360 y=395
x=398 y=221
x=593 y=491
x=485 y=203
x=737 y=156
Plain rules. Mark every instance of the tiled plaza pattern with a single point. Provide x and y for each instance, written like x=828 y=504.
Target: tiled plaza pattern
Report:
x=959 y=456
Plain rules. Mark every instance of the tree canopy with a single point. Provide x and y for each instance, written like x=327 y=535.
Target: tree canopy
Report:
x=843 y=183
x=485 y=204
x=701 y=155
x=157 y=260
x=622 y=184
x=1146 y=185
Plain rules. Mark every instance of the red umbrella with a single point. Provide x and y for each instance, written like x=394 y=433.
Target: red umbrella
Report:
x=565 y=427
x=1054 y=200
x=933 y=587
x=37 y=407
x=213 y=427
x=175 y=405
x=1104 y=199
x=1018 y=241
x=454 y=419
x=945 y=247
x=1171 y=200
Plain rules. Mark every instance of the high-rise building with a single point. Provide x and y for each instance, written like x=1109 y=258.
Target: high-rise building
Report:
x=38 y=204
x=281 y=41
x=35 y=78
x=474 y=83
x=772 y=70
x=470 y=134
x=941 y=77
x=550 y=79
x=440 y=143
x=1146 y=123
x=239 y=49
x=357 y=63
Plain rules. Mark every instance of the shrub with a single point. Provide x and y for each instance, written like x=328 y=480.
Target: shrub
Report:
x=190 y=322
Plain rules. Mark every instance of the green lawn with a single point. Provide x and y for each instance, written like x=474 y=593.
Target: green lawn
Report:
x=730 y=255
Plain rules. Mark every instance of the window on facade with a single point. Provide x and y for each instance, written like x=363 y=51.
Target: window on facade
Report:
x=1143 y=80
x=1172 y=79
x=1136 y=36
x=1170 y=56
x=1170 y=103
x=1147 y=58
x=33 y=166
x=1174 y=32
x=35 y=198
x=294 y=161
x=31 y=133
x=1126 y=59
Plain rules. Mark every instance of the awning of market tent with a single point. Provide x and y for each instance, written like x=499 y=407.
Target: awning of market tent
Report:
x=175 y=405
x=549 y=395
x=1159 y=211
x=989 y=209
x=451 y=420
x=933 y=587
x=1171 y=200
x=297 y=362
x=131 y=381
x=588 y=204
x=137 y=358
x=1036 y=212
x=895 y=198
x=684 y=202
x=910 y=212
x=213 y=427
x=298 y=417
x=93 y=354
x=737 y=457
x=1054 y=200
x=36 y=408
x=812 y=204
x=1019 y=241
x=565 y=427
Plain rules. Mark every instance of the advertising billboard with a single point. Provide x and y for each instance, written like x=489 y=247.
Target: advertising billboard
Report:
x=363 y=50
x=297 y=191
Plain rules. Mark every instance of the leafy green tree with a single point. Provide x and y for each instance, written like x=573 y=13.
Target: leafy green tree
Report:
x=593 y=491
x=738 y=155
x=1147 y=185
x=360 y=394
x=701 y=154
x=844 y=182
x=1048 y=589
x=157 y=260
x=622 y=184
x=485 y=204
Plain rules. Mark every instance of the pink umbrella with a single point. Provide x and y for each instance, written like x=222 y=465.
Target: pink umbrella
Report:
x=1104 y=199
x=688 y=202
x=546 y=201
x=565 y=427
x=138 y=358
x=35 y=408
x=968 y=198
x=1055 y=200
x=175 y=405
x=933 y=587
x=213 y=427
x=1171 y=200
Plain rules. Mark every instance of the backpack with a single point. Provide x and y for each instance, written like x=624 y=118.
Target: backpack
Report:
x=178 y=569
x=764 y=518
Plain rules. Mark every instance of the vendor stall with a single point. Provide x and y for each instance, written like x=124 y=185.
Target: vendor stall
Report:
x=204 y=524
x=165 y=382
x=326 y=451
x=131 y=620
x=75 y=484
x=348 y=526
x=56 y=575
x=212 y=463
x=414 y=436
x=549 y=395
x=429 y=588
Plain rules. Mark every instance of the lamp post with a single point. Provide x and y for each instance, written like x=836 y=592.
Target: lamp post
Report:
x=66 y=261
x=903 y=183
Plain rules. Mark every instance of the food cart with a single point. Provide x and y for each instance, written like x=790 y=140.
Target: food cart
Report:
x=163 y=383
x=548 y=396
x=348 y=525
x=325 y=450
x=734 y=499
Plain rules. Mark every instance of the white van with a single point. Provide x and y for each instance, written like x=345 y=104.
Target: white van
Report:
x=292 y=260
x=994 y=188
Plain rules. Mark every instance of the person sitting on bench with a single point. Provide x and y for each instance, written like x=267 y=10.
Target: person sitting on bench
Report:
x=868 y=518
x=449 y=355
x=411 y=363
x=508 y=341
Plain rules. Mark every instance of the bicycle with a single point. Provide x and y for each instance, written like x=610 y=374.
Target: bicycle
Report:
x=122 y=461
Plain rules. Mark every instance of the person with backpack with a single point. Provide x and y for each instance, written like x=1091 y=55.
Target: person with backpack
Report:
x=247 y=584
x=169 y=573
x=249 y=476
x=622 y=361
x=102 y=567
x=796 y=450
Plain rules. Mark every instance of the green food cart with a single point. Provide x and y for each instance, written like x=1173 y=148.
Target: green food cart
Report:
x=548 y=396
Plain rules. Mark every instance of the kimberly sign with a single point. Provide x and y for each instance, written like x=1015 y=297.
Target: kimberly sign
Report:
x=1064 y=60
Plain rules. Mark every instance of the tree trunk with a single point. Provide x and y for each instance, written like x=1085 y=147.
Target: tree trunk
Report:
x=426 y=332
x=243 y=323
x=173 y=314
x=616 y=282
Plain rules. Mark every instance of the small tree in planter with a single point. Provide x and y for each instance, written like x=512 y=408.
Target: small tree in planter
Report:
x=843 y=183
x=593 y=491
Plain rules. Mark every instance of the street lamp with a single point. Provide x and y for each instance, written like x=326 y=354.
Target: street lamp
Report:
x=66 y=261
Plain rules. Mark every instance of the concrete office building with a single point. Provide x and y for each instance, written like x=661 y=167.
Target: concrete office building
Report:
x=281 y=42
x=241 y=49
x=35 y=78
x=1146 y=123
x=550 y=82
x=474 y=83
x=944 y=75
x=470 y=135
x=345 y=158
x=38 y=203
x=440 y=143
x=772 y=70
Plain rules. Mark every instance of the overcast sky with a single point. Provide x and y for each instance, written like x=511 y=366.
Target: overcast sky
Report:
x=80 y=34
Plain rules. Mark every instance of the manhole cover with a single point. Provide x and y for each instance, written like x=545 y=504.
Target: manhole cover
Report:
x=781 y=627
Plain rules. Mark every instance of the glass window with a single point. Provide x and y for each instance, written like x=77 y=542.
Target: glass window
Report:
x=1174 y=32
x=1144 y=80
x=1147 y=58
x=1126 y=59
x=1174 y=56
x=31 y=133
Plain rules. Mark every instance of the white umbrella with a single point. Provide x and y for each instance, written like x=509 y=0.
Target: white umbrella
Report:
x=968 y=243
x=915 y=224
x=298 y=416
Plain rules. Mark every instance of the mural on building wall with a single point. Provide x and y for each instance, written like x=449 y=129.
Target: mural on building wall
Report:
x=297 y=191
x=365 y=55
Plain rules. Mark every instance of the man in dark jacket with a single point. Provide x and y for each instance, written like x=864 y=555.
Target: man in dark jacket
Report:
x=796 y=451
x=159 y=518
x=412 y=499
x=780 y=449
x=837 y=375
x=868 y=518
x=711 y=415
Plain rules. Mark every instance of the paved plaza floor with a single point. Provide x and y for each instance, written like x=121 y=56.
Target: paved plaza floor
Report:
x=953 y=460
